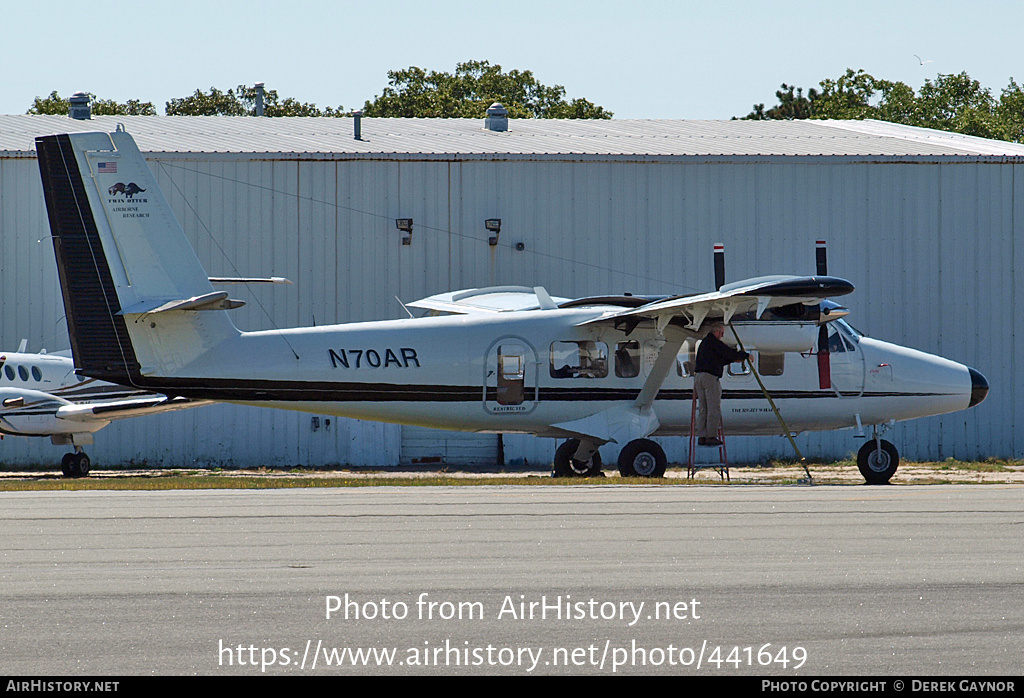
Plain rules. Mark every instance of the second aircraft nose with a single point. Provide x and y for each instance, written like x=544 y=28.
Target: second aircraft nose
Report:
x=979 y=387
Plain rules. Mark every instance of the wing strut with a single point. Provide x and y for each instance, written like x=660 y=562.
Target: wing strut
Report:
x=767 y=395
x=674 y=339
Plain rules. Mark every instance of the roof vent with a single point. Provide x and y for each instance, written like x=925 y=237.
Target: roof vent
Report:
x=259 y=99
x=78 y=106
x=497 y=118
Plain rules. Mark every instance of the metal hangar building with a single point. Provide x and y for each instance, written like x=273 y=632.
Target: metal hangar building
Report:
x=923 y=222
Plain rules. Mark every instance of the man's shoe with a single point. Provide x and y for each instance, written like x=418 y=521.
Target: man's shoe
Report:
x=712 y=441
x=702 y=441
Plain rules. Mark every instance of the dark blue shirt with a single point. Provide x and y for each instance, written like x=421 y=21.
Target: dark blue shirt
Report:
x=713 y=355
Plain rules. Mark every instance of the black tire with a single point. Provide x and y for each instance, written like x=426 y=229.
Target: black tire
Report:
x=67 y=465
x=642 y=458
x=565 y=465
x=83 y=465
x=878 y=465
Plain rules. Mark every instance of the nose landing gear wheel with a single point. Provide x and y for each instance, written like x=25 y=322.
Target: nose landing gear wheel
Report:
x=878 y=465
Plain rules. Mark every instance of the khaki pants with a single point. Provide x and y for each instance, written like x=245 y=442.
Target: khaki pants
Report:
x=709 y=408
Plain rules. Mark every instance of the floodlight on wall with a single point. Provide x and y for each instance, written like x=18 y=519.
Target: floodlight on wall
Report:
x=405 y=225
x=494 y=226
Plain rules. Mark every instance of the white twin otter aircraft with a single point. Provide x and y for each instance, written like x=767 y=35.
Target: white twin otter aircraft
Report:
x=142 y=312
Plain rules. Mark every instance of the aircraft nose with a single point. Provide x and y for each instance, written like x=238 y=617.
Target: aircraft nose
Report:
x=979 y=387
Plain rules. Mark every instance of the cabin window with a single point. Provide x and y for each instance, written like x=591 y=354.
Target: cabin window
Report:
x=739 y=369
x=36 y=373
x=581 y=359
x=627 y=359
x=9 y=370
x=23 y=373
x=686 y=359
x=771 y=364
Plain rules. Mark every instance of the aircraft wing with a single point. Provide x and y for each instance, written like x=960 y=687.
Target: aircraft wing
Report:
x=131 y=407
x=757 y=294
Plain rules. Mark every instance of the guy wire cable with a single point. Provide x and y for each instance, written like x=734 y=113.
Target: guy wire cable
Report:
x=785 y=429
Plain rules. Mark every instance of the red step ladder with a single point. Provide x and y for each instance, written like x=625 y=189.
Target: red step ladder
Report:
x=692 y=466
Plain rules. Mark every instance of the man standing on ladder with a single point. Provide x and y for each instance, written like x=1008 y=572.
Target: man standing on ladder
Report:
x=713 y=355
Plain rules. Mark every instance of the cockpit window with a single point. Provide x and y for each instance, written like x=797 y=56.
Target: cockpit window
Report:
x=850 y=329
x=838 y=340
x=835 y=340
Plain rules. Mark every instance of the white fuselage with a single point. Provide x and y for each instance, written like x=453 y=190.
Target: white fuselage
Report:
x=443 y=372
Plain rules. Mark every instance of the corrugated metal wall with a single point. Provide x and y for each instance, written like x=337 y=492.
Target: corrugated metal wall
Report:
x=930 y=247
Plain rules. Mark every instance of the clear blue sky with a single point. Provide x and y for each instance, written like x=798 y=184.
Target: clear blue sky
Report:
x=689 y=60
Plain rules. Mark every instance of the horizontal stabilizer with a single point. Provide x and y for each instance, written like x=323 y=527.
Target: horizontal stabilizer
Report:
x=218 y=300
x=120 y=409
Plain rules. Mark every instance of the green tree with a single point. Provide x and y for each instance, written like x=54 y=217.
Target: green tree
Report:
x=468 y=93
x=55 y=104
x=959 y=104
x=242 y=102
x=954 y=103
x=1010 y=112
x=792 y=105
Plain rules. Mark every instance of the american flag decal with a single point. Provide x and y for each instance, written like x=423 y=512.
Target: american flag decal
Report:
x=106 y=167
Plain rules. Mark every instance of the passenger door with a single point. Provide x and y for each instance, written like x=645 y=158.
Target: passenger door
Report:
x=510 y=383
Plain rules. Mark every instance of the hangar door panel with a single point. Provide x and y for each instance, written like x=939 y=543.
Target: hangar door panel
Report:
x=423 y=446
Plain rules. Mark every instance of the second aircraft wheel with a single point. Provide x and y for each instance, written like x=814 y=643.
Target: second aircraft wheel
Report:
x=642 y=458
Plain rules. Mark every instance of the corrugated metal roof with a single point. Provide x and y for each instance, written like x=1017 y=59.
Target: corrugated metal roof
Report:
x=531 y=138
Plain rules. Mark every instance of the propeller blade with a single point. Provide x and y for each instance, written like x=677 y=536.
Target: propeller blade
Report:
x=719 y=265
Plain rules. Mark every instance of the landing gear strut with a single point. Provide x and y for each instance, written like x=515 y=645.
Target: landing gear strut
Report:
x=75 y=464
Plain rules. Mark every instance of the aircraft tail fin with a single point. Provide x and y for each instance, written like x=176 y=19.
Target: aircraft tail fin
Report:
x=121 y=256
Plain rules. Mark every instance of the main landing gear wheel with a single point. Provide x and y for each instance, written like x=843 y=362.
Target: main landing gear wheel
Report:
x=75 y=465
x=642 y=458
x=565 y=465
x=878 y=465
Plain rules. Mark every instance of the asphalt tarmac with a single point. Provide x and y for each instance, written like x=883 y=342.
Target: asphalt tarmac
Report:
x=895 y=581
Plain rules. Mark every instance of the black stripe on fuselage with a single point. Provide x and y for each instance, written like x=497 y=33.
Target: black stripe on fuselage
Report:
x=308 y=391
x=99 y=337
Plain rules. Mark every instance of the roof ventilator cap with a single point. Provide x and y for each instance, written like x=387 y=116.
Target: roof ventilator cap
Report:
x=497 y=118
x=78 y=106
